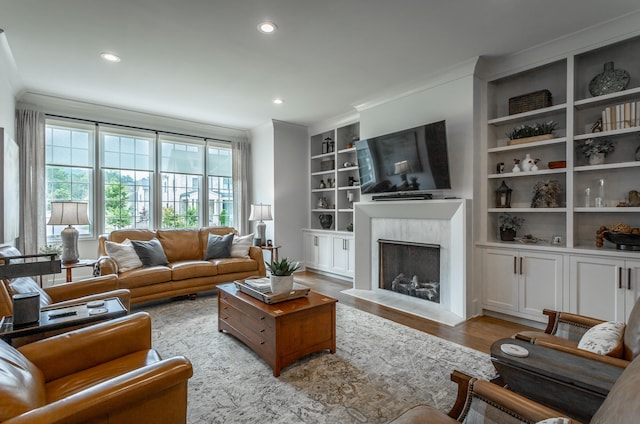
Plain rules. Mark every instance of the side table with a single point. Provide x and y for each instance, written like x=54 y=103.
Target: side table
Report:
x=274 y=252
x=81 y=263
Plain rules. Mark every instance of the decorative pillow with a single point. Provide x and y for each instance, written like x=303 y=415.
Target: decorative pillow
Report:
x=240 y=246
x=124 y=254
x=604 y=339
x=150 y=252
x=218 y=246
x=28 y=285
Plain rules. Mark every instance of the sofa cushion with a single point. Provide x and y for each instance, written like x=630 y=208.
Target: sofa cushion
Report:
x=240 y=246
x=150 y=252
x=604 y=339
x=181 y=245
x=22 y=285
x=22 y=387
x=231 y=265
x=622 y=404
x=192 y=269
x=124 y=254
x=144 y=277
x=121 y=235
x=218 y=246
x=632 y=333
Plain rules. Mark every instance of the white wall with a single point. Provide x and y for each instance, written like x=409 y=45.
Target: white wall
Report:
x=262 y=171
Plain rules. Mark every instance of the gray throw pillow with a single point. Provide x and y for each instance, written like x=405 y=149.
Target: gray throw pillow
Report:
x=150 y=252
x=218 y=246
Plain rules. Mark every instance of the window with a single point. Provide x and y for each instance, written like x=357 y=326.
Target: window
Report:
x=69 y=168
x=127 y=164
x=134 y=178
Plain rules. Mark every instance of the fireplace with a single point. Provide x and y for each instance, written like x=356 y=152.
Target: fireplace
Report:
x=409 y=268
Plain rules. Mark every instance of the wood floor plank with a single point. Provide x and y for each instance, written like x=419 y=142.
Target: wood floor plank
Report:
x=477 y=333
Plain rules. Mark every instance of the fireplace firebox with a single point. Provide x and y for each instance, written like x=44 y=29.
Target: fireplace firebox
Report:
x=410 y=268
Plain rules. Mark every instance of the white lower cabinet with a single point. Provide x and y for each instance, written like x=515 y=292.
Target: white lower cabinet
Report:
x=521 y=283
x=317 y=250
x=343 y=255
x=604 y=288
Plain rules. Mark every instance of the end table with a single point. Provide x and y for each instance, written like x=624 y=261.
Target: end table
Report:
x=274 y=252
x=81 y=263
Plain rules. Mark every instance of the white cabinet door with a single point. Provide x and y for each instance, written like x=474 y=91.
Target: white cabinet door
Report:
x=632 y=279
x=343 y=255
x=310 y=250
x=499 y=276
x=596 y=288
x=540 y=283
x=323 y=245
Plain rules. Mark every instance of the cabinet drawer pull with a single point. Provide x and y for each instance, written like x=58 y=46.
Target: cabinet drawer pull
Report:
x=628 y=278
x=262 y=318
x=515 y=265
x=262 y=342
x=520 y=266
x=620 y=277
x=262 y=331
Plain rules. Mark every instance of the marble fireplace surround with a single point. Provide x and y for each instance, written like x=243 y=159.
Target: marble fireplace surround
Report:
x=444 y=222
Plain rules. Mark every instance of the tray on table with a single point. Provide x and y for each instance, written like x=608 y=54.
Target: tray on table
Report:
x=297 y=292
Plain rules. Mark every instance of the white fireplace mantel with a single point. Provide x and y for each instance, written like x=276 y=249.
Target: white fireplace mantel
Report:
x=441 y=221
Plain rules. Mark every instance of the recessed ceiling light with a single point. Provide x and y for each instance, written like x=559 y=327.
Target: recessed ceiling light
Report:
x=110 y=57
x=278 y=101
x=267 y=27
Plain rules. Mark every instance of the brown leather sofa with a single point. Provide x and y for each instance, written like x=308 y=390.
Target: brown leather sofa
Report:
x=187 y=271
x=564 y=331
x=484 y=402
x=105 y=373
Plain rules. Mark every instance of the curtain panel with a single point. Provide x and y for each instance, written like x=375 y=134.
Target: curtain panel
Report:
x=241 y=177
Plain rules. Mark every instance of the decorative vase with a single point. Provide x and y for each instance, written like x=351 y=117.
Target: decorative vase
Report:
x=609 y=81
x=507 y=235
x=281 y=284
x=322 y=203
x=526 y=163
x=596 y=159
x=326 y=221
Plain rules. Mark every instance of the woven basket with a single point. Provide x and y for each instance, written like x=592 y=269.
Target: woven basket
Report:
x=529 y=101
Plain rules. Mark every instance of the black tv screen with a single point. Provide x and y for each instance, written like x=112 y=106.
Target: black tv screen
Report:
x=415 y=159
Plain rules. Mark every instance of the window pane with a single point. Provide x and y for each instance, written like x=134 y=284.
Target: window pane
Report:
x=183 y=158
x=126 y=199
x=219 y=161
x=180 y=200
x=220 y=201
x=67 y=183
x=126 y=150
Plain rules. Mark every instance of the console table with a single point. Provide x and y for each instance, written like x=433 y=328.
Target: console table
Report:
x=569 y=383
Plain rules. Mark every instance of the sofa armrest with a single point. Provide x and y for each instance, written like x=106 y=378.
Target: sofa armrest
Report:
x=119 y=394
x=255 y=253
x=87 y=347
x=107 y=265
x=123 y=294
x=66 y=291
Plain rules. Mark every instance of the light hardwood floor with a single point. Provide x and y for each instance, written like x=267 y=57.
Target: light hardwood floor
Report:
x=477 y=333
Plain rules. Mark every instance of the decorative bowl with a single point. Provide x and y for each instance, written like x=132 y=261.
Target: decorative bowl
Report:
x=623 y=241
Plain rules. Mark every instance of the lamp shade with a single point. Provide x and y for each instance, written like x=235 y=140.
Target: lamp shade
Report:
x=260 y=213
x=401 y=167
x=69 y=213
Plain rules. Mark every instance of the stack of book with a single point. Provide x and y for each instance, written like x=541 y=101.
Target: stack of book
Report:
x=259 y=284
x=617 y=117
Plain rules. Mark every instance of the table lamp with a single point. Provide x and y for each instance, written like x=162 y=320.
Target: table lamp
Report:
x=260 y=213
x=69 y=213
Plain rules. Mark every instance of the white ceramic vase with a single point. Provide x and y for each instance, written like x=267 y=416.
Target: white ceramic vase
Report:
x=281 y=284
x=596 y=159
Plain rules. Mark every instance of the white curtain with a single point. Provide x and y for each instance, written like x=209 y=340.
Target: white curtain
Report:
x=30 y=126
x=241 y=178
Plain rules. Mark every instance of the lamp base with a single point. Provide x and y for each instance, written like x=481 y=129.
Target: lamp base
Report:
x=69 y=237
x=261 y=230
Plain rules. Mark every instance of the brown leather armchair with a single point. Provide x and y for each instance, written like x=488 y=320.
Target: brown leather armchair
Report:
x=564 y=331
x=483 y=402
x=107 y=372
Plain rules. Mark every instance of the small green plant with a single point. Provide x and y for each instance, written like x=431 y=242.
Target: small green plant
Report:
x=591 y=147
x=510 y=222
x=51 y=248
x=524 y=131
x=283 y=267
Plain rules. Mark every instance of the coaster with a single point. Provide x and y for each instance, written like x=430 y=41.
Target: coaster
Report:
x=514 y=350
x=95 y=304
x=98 y=311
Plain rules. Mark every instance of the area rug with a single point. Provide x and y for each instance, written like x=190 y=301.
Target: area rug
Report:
x=380 y=369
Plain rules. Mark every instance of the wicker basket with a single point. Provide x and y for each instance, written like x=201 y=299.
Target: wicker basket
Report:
x=529 y=101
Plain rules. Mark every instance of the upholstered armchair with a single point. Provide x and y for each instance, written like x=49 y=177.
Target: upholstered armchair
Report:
x=484 y=402
x=106 y=372
x=564 y=332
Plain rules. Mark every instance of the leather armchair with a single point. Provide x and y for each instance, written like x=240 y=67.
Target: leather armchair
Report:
x=484 y=402
x=564 y=331
x=103 y=373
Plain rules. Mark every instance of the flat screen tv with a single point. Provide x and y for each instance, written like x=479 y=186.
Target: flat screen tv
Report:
x=411 y=160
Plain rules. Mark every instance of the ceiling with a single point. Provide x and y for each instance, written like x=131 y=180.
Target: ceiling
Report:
x=204 y=60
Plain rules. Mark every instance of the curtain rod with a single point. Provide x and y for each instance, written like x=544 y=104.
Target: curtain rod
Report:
x=133 y=127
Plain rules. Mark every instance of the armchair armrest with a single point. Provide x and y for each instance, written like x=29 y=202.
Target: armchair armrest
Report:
x=123 y=294
x=90 y=346
x=556 y=317
x=622 y=363
x=66 y=291
x=256 y=253
x=133 y=390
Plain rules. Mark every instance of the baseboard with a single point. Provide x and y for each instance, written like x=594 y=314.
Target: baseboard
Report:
x=518 y=320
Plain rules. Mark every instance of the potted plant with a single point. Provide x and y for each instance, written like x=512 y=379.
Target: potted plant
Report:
x=281 y=278
x=596 y=150
x=536 y=130
x=509 y=225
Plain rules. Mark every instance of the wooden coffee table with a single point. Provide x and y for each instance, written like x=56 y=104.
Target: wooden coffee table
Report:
x=280 y=333
x=568 y=383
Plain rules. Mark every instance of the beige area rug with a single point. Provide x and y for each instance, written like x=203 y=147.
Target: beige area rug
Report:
x=380 y=369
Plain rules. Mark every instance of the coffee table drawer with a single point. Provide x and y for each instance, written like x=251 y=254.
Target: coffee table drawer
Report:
x=238 y=304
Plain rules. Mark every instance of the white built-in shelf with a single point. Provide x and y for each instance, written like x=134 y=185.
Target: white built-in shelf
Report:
x=607 y=166
x=349 y=188
x=525 y=116
x=350 y=168
x=609 y=210
x=529 y=173
x=323 y=155
x=352 y=149
x=345 y=210
x=607 y=99
x=606 y=133
x=528 y=145
x=323 y=210
x=526 y=210
x=320 y=190
x=331 y=171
